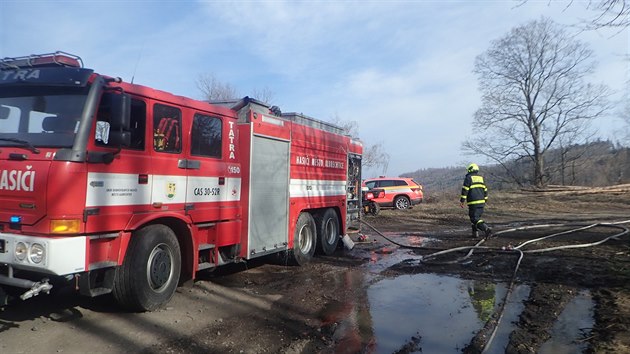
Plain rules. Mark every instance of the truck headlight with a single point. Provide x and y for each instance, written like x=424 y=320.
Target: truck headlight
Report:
x=20 y=251
x=37 y=253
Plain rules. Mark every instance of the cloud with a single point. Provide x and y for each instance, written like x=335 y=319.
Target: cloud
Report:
x=402 y=69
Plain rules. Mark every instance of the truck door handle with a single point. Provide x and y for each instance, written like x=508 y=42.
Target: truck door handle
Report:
x=188 y=164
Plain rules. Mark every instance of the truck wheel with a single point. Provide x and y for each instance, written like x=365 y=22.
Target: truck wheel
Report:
x=401 y=202
x=304 y=239
x=327 y=231
x=150 y=272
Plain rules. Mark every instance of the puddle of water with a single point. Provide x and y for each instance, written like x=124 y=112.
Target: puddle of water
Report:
x=380 y=260
x=389 y=254
x=411 y=238
x=513 y=309
x=348 y=319
x=432 y=313
x=569 y=328
x=417 y=239
x=440 y=314
x=425 y=313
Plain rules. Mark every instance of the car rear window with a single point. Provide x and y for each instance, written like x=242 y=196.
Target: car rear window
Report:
x=400 y=183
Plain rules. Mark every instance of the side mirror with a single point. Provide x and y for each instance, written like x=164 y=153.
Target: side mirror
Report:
x=118 y=138
x=120 y=109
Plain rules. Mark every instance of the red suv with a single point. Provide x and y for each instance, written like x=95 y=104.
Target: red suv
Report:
x=400 y=193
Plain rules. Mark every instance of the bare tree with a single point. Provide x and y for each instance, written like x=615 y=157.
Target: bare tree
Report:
x=214 y=90
x=534 y=96
x=265 y=95
x=609 y=13
x=374 y=155
x=606 y=13
x=350 y=127
x=624 y=113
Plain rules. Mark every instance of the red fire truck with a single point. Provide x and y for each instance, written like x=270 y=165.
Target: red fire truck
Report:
x=119 y=188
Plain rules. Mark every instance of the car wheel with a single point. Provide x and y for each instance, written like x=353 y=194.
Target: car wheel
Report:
x=150 y=272
x=327 y=231
x=401 y=203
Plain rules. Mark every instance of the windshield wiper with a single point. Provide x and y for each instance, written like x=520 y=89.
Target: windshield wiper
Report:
x=25 y=144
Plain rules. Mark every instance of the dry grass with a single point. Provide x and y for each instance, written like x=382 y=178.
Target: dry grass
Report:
x=605 y=204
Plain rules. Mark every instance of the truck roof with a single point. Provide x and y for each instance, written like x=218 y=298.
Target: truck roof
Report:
x=263 y=107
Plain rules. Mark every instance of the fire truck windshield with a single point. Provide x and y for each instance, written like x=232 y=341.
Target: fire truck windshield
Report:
x=40 y=117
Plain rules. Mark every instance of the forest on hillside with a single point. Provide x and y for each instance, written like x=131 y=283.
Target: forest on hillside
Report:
x=596 y=164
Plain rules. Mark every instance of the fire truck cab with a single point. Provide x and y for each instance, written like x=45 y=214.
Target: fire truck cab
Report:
x=120 y=188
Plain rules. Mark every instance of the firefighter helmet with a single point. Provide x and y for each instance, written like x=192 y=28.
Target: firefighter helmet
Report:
x=472 y=168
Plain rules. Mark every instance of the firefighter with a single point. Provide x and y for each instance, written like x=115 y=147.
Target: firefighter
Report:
x=474 y=194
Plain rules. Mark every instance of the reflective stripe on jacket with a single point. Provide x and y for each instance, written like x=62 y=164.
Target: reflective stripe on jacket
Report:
x=474 y=190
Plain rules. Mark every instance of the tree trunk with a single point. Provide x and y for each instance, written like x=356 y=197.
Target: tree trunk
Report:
x=538 y=155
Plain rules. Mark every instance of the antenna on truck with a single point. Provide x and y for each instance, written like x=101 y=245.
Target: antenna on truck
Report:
x=137 y=62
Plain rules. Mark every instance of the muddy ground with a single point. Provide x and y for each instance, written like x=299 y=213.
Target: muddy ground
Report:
x=266 y=307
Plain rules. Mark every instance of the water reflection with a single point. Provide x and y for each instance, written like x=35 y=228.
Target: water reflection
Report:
x=482 y=297
x=437 y=309
x=348 y=319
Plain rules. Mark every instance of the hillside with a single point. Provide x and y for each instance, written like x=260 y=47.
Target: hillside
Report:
x=596 y=164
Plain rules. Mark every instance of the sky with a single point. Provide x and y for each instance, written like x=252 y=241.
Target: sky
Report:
x=401 y=69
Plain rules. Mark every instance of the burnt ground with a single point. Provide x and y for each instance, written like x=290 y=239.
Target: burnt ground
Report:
x=555 y=276
x=268 y=307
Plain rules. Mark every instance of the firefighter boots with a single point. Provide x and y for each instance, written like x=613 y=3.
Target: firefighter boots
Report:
x=475 y=233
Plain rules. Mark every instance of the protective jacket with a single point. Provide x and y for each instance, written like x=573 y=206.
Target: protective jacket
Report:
x=474 y=190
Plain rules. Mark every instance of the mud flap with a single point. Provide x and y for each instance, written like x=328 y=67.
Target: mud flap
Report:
x=347 y=241
x=97 y=282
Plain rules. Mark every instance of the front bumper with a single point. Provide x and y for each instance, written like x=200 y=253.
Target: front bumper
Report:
x=60 y=255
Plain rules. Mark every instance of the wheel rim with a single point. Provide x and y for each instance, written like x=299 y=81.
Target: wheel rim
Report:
x=402 y=203
x=305 y=241
x=330 y=232
x=159 y=267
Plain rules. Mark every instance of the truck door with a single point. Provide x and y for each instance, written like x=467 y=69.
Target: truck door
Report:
x=167 y=164
x=213 y=185
x=118 y=189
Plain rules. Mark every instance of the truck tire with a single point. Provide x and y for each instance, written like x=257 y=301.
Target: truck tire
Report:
x=327 y=231
x=401 y=202
x=304 y=240
x=150 y=271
